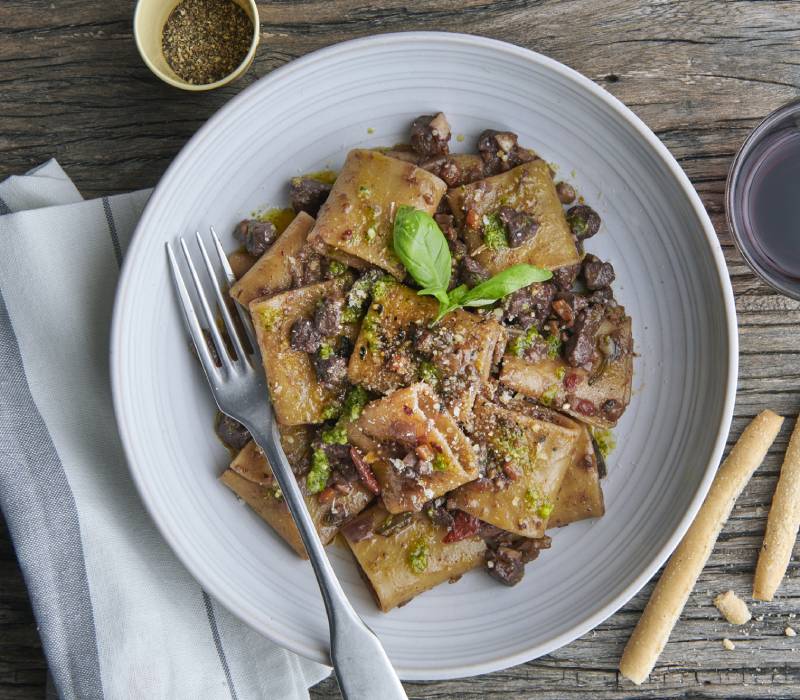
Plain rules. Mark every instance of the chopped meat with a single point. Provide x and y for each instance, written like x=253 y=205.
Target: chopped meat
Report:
x=529 y=306
x=430 y=134
x=328 y=315
x=500 y=151
x=567 y=306
x=579 y=349
x=566 y=192
x=601 y=296
x=583 y=221
x=331 y=370
x=471 y=272
x=445 y=168
x=305 y=336
x=308 y=195
x=611 y=410
x=564 y=277
x=505 y=564
x=438 y=514
x=306 y=268
x=359 y=528
x=519 y=226
x=231 y=432
x=256 y=236
x=446 y=223
x=596 y=273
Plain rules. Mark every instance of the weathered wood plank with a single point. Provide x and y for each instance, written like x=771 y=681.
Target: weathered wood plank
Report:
x=700 y=73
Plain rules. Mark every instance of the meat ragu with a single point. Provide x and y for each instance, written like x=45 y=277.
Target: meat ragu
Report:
x=434 y=441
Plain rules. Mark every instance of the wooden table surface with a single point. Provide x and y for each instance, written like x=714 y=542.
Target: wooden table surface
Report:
x=701 y=74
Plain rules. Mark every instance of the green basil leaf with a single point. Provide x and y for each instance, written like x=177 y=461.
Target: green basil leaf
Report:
x=423 y=249
x=503 y=283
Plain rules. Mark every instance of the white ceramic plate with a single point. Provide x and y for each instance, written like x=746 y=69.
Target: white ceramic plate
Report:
x=671 y=278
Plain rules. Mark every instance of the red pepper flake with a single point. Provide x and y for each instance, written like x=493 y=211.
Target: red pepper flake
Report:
x=571 y=380
x=464 y=525
x=408 y=410
x=472 y=219
x=585 y=407
x=365 y=472
x=347 y=234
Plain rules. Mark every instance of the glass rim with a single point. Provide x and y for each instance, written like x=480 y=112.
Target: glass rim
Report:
x=732 y=186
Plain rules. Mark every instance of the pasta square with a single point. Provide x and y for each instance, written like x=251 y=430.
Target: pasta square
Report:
x=526 y=459
x=598 y=396
x=412 y=421
x=358 y=216
x=391 y=348
x=581 y=495
x=272 y=272
x=410 y=558
x=529 y=189
x=297 y=396
x=263 y=495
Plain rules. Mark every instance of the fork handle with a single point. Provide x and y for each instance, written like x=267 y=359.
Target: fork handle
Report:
x=362 y=667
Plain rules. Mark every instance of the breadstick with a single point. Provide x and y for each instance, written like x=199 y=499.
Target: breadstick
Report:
x=782 y=524
x=688 y=560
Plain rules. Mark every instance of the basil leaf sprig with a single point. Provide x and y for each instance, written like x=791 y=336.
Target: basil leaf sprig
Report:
x=423 y=250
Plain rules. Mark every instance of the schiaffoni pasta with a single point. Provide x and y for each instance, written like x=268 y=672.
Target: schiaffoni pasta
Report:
x=444 y=359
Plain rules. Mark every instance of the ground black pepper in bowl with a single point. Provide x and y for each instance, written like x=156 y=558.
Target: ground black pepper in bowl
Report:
x=205 y=40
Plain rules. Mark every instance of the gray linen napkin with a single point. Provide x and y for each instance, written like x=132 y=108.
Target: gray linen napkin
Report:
x=119 y=616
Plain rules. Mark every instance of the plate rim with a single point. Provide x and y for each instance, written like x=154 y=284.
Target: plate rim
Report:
x=364 y=44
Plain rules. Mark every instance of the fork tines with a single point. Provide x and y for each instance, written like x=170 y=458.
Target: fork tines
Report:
x=229 y=357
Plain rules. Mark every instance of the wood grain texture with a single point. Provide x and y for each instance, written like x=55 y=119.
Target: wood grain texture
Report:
x=701 y=74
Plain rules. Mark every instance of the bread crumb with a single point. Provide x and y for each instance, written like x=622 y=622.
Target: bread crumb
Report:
x=733 y=608
x=789 y=632
x=728 y=644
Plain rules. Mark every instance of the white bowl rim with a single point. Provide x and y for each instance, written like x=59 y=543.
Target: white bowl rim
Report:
x=364 y=45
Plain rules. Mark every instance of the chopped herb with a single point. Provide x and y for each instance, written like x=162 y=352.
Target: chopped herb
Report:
x=440 y=463
x=354 y=403
x=364 y=192
x=277 y=494
x=331 y=412
x=606 y=442
x=536 y=502
x=553 y=346
x=521 y=343
x=510 y=445
x=418 y=556
x=381 y=286
x=335 y=435
x=371 y=233
x=549 y=395
x=317 y=478
x=494 y=233
x=336 y=268
x=561 y=373
x=270 y=317
x=429 y=373
x=325 y=351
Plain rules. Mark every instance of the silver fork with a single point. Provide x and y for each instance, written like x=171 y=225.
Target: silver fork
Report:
x=240 y=389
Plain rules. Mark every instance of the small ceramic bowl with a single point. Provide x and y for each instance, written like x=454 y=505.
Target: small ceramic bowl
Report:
x=744 y=174
x=148 y=25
